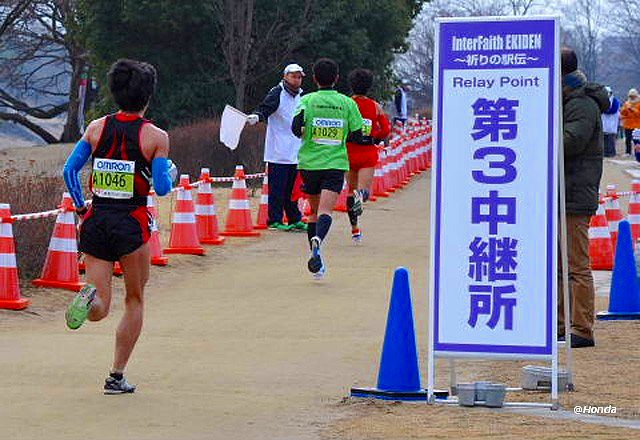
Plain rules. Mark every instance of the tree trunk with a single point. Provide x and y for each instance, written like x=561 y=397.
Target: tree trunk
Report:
x=71 y=132
x=240 y=86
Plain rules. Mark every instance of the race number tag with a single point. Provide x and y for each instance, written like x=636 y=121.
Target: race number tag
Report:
x=367 y=125
x=327 y=131
x=113 y=179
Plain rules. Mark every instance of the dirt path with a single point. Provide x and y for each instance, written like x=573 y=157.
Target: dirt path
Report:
x=238 y=344
x=242 y=344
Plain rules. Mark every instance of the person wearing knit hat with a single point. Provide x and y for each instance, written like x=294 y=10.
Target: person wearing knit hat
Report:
x=583 y=103
x=630 y=117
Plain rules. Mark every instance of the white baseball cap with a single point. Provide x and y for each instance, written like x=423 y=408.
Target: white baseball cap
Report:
x=294 y=68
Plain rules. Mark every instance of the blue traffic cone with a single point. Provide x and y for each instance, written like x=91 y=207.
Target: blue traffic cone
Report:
x=624 y=297
x=399 y=374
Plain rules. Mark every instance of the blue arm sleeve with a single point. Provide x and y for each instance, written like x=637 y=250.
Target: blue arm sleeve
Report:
x=71 y=172
x=161 y=177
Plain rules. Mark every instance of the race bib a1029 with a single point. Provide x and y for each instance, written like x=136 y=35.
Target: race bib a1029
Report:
x=327 y=131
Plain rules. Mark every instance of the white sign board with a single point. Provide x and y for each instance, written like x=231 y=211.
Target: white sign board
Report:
x=494 y=188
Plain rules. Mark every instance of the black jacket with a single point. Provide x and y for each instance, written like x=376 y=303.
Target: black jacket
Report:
x=583 y=147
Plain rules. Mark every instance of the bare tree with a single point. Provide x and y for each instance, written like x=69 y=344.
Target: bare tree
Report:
x=253 y=46
x=627 y=29
x=522 y=7
x=415 y=67
x=41 y=67
x=237 y=24
x=584 y=23
x=11 y=11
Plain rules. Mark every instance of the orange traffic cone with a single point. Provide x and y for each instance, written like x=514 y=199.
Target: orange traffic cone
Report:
x=305 y=208
x=263 y=210
x=378 y=181
x=633 y=214
x=393 y=167
x=82 y=267
x=61 y=265
x=600 y=245
x=386 y=173
x=206 y=217
x=155 y=246
x=239 y=216
x=341 y=204
x=613 y=212
x=9 y=285
x=184 y=234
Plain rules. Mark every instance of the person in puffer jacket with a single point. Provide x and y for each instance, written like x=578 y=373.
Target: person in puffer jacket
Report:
x=583 y=104
x=630 y=117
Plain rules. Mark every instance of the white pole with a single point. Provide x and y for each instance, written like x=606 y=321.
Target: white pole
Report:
x=435 y=136
x=564 y=254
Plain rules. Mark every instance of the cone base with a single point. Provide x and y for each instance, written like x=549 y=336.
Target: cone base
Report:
x=392 y=189
x=373 y=198
x=67 y=285
x=420 y=395
x=340 y=209
x=185 y=250
x=240 y=234
x=618 y=316
x=14 y=304
x=384 y=194
x=261 y=227
x=214 y=241
x=159 y=261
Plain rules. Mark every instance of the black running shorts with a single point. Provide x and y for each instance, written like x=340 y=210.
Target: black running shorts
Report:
x=109 y=232
x=314 y=181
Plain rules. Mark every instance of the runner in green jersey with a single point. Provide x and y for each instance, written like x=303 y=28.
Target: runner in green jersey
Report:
x=324 y=121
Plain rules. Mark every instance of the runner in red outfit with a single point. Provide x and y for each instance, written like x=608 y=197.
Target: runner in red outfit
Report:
x=363 y=156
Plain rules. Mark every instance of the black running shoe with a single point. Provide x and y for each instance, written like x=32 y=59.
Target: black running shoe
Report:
x=115 y=386
x=315 y=264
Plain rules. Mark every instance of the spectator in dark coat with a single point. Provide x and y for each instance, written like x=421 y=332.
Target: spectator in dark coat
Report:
x=583 y=104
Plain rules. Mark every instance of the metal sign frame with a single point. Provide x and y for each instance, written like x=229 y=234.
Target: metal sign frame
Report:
x=556 y=205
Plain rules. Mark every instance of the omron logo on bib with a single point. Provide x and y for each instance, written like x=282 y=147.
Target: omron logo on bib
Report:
x=327 y=131
x=113 y=179
x=367 y=125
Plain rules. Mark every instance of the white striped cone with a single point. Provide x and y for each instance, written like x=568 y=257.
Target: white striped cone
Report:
x=155 y=247
x=263 y=210
x=61 y=265
x=378 y=179
x=9 y=281
x=206 y=214
x=184 y=234
x=341 y=203
x=600 y=244
x=633 y=214
x=613 y=213
x=239 y=222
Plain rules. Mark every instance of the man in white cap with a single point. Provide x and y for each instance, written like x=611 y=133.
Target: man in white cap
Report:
x=281 y=147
